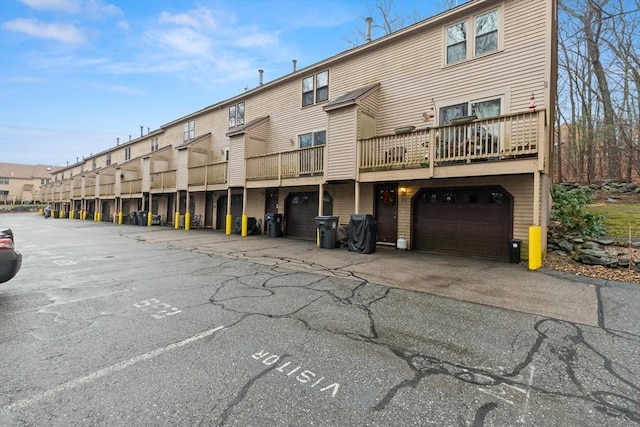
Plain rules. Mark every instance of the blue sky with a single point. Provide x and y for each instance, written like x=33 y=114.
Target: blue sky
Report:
x=77 y=74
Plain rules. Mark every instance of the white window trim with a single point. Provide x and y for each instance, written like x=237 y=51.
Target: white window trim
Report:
x=314 y=91
x=471 y=37
x=312 y=132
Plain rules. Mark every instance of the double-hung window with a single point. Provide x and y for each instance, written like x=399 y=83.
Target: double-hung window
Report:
x=312 y=139
x=236 y=114
x=154 y=143
x=108 y=159
x=189 y=130
x=127 y=153
x=315 y=88
x=482 y=32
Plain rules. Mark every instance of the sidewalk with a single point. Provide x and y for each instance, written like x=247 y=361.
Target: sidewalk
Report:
x=493 y=283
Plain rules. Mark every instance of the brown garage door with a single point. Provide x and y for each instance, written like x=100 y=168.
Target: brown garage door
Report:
x=472 y=221
x=301 y=210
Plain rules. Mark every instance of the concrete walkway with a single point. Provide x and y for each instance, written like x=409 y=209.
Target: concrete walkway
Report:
x=493 y=283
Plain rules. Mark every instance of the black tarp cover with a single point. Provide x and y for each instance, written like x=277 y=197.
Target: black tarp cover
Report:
x=363 y=231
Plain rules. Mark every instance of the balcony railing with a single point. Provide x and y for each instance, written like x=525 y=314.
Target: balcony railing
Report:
x=77 y=192
x=213 y=173
x=90 y=191
x=289 y=164
x=133 y=186
x=108 y=189
x=163 y=180
x=498 y=138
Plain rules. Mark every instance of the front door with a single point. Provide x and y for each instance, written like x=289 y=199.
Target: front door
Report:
x=208 y=211
x=387 y=212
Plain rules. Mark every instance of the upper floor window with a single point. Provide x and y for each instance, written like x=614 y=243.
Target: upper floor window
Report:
x=189 y=130
x=315 y=88
x=4 y=181
x=127 y=153
x=312 y=139
x=236 y=114
x=154 y=143
x=94 y=164
x=44 y=181
x=109 y=159
x=484 y=37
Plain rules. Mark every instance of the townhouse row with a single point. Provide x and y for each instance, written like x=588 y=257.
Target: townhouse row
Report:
x=442 y=131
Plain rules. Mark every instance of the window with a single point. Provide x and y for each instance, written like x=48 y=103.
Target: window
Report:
x=4 y=181
x=127 y=153
x=189 y=130
x=109 y=159
x=154 y=143
x=312 y=139
x=94 y=164
x=457 y=43
x=315 y=88
x=236 y=115
x=486 y=32
x=485 y=37
x=44 y=181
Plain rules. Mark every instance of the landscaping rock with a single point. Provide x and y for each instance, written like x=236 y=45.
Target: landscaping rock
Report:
x=596 y=257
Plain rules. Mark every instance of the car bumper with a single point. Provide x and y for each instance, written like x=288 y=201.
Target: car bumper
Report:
x=10 y=263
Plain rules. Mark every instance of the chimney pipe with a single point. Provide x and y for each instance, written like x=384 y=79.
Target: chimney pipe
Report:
x=117 y=141
x=141 y=130
x=261 y=72
x=129 y=138
x=369 y=20
x=294 y=64
x=148 y=130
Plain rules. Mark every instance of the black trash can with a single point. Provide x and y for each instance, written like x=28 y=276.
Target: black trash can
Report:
x=514 y=250
x=363 y=233
x=328 y=226
x=274 y=225
x=142 y=217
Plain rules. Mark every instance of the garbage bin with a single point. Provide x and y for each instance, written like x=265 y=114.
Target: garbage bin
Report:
x=142 y=217
x=363 y=233
x=274 y=225
x=328 y=226
x=514 y=250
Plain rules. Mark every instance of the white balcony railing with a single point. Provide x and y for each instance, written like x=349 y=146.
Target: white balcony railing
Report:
x=163 y=180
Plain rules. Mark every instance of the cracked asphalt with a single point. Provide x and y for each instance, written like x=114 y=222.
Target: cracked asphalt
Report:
x=124 y=325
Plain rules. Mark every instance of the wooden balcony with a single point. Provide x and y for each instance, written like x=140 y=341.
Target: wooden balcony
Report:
x=131 y=188
x=163 y=181
x=108 y=190
x=209 y=174
x=502 y=138
x=301 y=163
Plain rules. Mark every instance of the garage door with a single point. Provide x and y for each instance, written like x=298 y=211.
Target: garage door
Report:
x=472 y=221
x=301 y=210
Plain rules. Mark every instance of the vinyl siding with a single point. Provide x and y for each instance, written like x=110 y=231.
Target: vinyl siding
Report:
x=236 y=161
x=341 y=148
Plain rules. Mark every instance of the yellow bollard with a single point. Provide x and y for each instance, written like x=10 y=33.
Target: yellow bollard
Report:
x=71 y=214
x=176 y=220
x=229 y=224
x=119 y=218
x=40 y=211
x=535 y=247
x=187 y=221
x=61 y=214
x=99 y=216
x=318 y=236
x=245 y=226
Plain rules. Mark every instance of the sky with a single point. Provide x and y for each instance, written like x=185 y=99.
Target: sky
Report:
x=75 y=75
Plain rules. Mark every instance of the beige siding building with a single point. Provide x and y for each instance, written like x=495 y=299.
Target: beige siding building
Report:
x=441 y=131
x=22 y=183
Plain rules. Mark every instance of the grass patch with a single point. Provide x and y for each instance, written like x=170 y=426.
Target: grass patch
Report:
x=618 y=217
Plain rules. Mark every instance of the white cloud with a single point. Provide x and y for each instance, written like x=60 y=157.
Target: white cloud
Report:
x=183 y=40
x=92 y=8
x=68 y=6
x=200 y=18
x=62 y=32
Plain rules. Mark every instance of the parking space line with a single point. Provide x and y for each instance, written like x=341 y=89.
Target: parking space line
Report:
x=23 y=403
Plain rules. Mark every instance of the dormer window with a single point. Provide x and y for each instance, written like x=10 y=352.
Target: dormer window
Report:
x=315 y=88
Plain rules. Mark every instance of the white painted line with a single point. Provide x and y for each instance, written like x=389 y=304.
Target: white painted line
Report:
x=108 y=370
